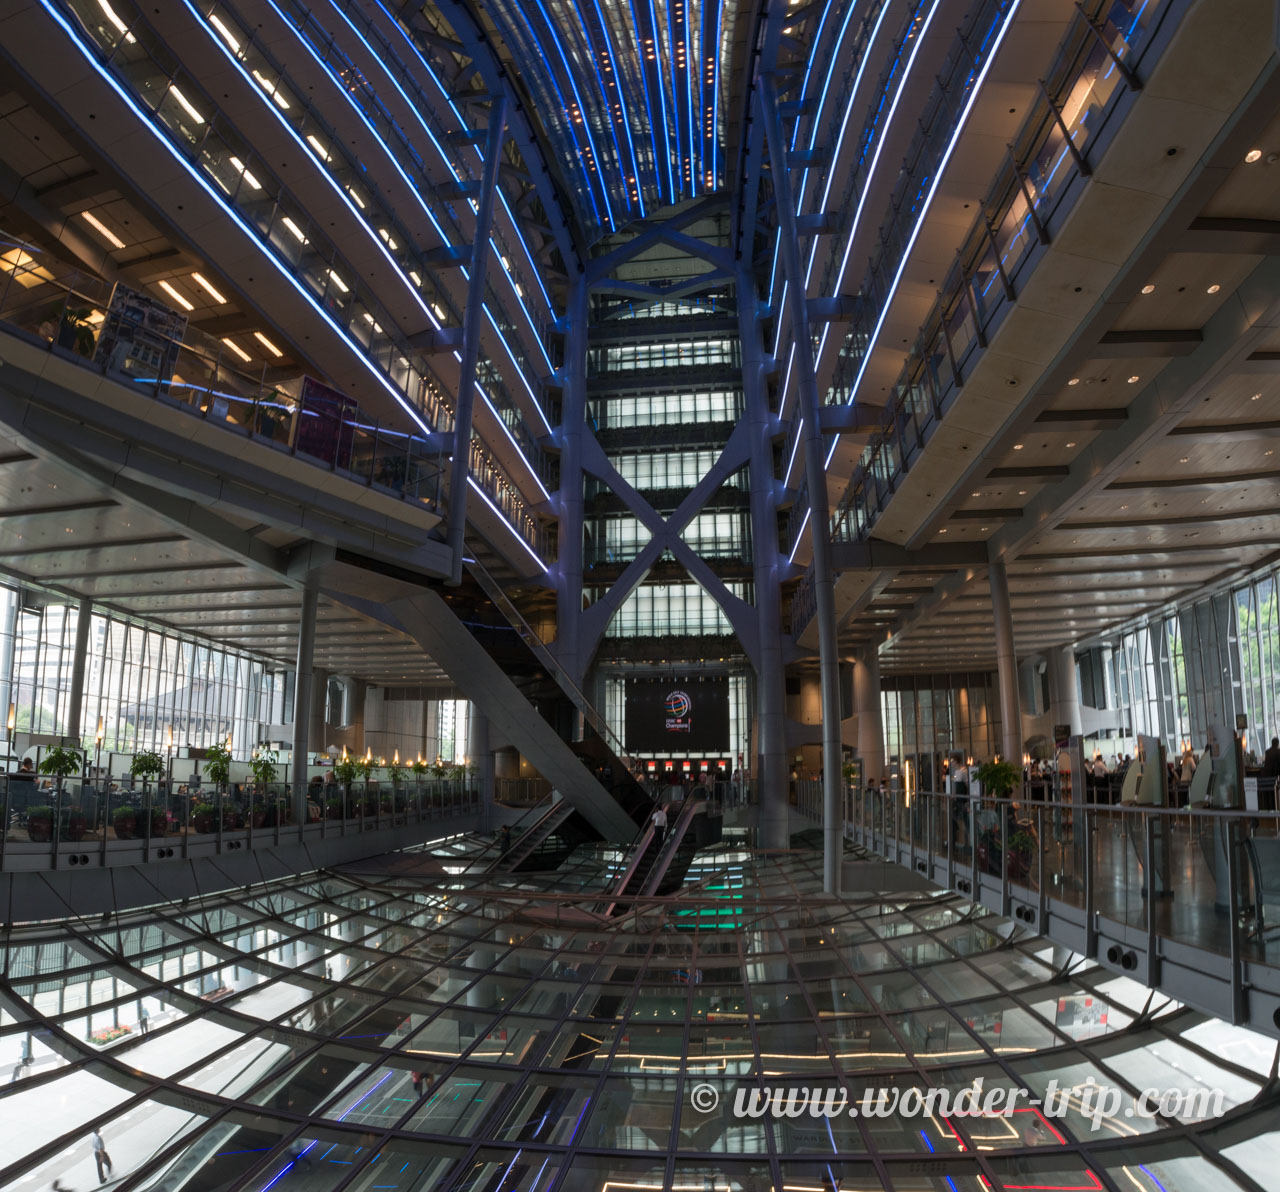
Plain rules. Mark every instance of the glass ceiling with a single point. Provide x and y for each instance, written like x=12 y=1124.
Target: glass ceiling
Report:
x=380 y=1029
x=632 y=94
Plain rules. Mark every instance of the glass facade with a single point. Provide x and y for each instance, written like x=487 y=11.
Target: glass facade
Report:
x=928 y=718
x=1203 y=663
x=139 y=680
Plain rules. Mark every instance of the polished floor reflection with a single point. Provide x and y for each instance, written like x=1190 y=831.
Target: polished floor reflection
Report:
x=407 y=1024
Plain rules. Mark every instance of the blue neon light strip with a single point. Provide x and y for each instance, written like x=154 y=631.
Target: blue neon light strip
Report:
x=961 y=122
x=285 y=271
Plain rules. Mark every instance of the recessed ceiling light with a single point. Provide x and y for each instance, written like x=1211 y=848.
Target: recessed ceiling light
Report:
x=1018 y=446
x=105 y=232
x=1072 y=444
x=1133 y=380
x=1253 y=155
x=1148 y=288
x=187 y=105
x=244 y=173
x=266 y=343
x=1074 y=381
x=1213 y=289
x=203 y=283
x=1022 y=492
x=942 y=531
x=1184 y=459
x=1255 y=397
x=975 y=494
x=178 y=298
x=236 y=348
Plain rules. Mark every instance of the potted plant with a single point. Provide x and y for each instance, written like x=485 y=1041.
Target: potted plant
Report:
x=125 y=822
x=850 y=772
x=204 y=817
x=345 y=771
x=75 y=332
x=1020 y=848
x=71 y=823
x=60 y=762
x=366 y=765
x=217 y=763
x=147 y=765
x=262 y=761
x=999 y=779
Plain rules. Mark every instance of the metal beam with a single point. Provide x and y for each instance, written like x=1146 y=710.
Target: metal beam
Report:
x=815 y=471
x=472 y=321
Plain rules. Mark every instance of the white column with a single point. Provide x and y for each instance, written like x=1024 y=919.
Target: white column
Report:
x=1006 y=664
x=867 y=707
x=303 y=695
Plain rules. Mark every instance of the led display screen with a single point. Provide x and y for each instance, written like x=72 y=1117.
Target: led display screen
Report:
x=677 y=715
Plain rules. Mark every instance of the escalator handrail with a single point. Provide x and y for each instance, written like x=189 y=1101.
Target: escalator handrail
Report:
x=494 y=591
x=559 y=811
x=671 y=845
x=497 y=838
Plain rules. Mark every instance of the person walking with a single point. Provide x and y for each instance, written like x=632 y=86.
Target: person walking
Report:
x=659 y=821
x=100 y=1155
x=144 y=1021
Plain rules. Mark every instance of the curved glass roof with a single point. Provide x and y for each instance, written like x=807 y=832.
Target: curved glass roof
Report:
x=631 y=93
x=395 y=1027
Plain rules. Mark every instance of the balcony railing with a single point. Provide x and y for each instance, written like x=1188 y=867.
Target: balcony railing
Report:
x=80 y=823
x=1134 y=885
x=1094 y=72
x=53 y=302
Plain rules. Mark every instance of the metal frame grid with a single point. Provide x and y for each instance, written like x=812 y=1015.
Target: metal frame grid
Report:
x=558 y=1051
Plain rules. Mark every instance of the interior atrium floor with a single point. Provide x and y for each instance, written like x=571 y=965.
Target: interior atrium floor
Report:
x=411 y=1024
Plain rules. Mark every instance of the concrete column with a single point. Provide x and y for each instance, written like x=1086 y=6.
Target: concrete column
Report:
x=480 y=755
x=79 y=660
x=573 y=413
x=866 y=705
x=1006 y=664
x=303 y=693
x=816 y=482
x=1064 y=689
x=770 y=769
x=472 y=319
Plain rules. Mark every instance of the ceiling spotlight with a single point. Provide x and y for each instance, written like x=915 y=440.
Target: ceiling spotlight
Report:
x=1255 y=397
x=1148 y=288
x=1133 y=380
x=1213 y=289
x=1074 y=381
x=1018 y=446
x=1253 y=155
x=1185 y=459
x=1071 y=444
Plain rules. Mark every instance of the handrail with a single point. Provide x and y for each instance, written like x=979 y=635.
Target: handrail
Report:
x=498 y=837
x=672 y=844
x=1049 y=154
x=493 y=590
x=638 y=849
x=559 y=811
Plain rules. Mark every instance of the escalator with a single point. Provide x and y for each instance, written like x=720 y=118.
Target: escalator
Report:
x=547 y=843
x=479 y=638
x=657 y=868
